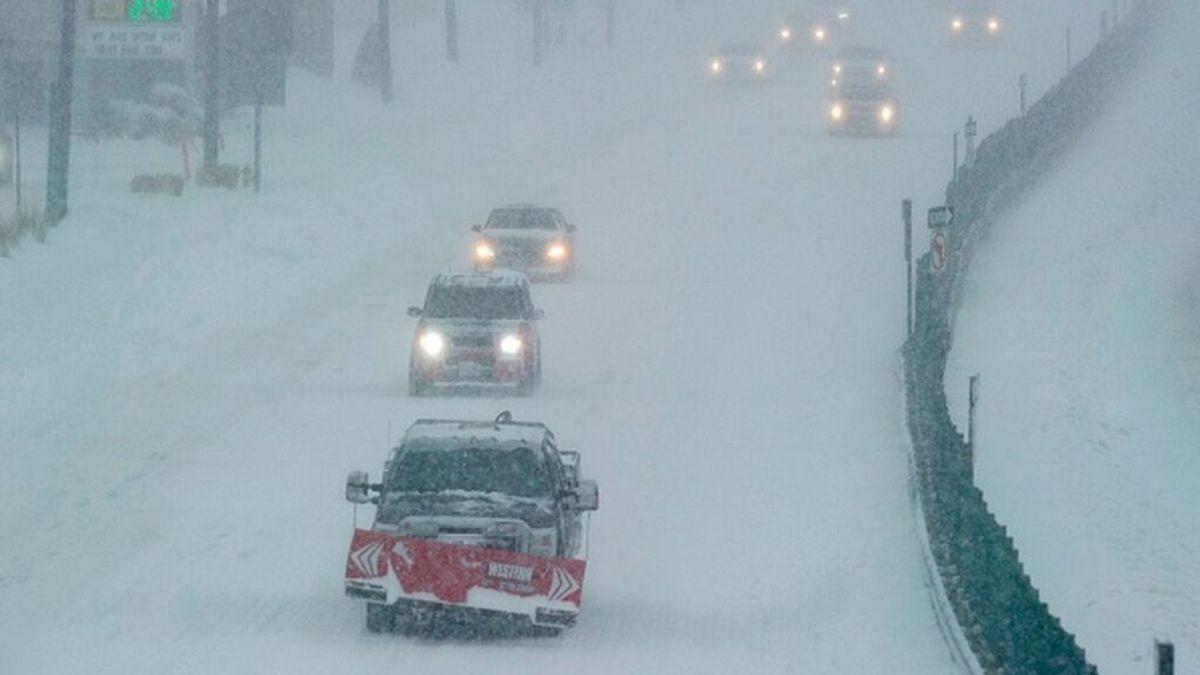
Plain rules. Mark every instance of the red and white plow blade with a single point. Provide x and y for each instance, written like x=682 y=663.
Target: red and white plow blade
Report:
x=383 y=567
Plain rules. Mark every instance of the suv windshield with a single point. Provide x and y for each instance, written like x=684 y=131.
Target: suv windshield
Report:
x=520 y=219
x=520 y=472
x=475 y=302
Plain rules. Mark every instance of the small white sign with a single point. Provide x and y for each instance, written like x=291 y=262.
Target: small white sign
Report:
x=151 y=42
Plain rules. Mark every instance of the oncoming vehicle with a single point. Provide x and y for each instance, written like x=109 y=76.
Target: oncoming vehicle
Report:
x=974 y=22
x=860 y=110
x=860 y=66
x=532 y=239
x=476 y=523
x=816 y=28
x=476 y=331
x=741 y=63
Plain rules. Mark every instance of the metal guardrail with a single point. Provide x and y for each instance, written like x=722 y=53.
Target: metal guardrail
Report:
x=996 y=606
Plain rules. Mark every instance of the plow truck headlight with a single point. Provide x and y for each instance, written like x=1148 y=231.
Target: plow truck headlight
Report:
x=836 y=112
x=819 y=35
x=886 y=114
x=510 y=345
x=715 y=66
x=881 y=70
x=956 y=25
x=785 y=34
x=993 y=26
x=760 y=66
x=556 y=251
x=432 y=343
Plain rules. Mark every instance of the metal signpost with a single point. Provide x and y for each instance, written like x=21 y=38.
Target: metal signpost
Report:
x=906 y=214
x=258 y=37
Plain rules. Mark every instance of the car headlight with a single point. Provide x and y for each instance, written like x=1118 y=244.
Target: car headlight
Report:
x=510 y=345
x=432 y=343
x=836 y=112
x=956 y=25
x=485 y=251
x=556 y=251
x=886 y=113
x=759 y=65
x=716 y=66
x=993 y=26
x=785 y=33
x=819 y=34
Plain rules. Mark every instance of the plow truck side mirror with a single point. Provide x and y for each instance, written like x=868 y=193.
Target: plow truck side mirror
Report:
x=477 y=228
x=358 y=488
x=588 y=494
x=414 y=312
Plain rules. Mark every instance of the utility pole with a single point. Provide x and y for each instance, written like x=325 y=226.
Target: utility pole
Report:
x=385 y=50
x=906 y=214
x=452 y=30
x=212 y=92
x=58 y=165
x=539 y=31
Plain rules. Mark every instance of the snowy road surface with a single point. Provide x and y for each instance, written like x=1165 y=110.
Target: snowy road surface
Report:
x=187 y=381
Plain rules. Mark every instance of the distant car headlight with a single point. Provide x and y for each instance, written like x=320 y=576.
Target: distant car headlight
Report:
x=993 y=26
x=819 y=34
x=759 y=65
x=556 y=251
x=485 y=251
x=432 y=343
x=836 y=112
x=886 y=114
x=716 y=66
x=833 y=83
x=510 y=345
x=837 y=68
x=956 y=25
x=785 y=33
x=881 y=71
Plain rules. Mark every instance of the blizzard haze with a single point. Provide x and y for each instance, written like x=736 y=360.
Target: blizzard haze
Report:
x=185 y=382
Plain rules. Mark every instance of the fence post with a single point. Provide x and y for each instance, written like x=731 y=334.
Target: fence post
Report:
x=1164 y=658
x=1023 y=83
x=972 y=400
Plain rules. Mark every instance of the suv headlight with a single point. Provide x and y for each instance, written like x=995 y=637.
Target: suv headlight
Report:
x=556 y=251
x=511 y=345
x=432 y=343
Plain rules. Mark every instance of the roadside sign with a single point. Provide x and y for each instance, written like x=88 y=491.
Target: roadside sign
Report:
x=941 y=216
x=149 y=30
x=937 y=252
